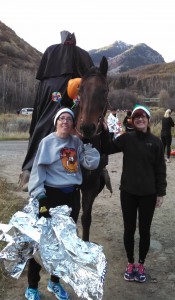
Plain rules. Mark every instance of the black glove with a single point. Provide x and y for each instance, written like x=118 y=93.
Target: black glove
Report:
x=43 y=207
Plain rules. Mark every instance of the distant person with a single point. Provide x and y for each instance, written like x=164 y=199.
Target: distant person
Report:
x=112 y=121
x=59 y=63
x=127 y=122
x=166 y=136
x=142 y=187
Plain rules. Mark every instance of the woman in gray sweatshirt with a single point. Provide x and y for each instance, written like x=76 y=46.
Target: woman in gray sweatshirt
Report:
x=55 y=179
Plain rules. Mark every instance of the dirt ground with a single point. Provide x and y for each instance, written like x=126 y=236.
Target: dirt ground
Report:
x=107 y=230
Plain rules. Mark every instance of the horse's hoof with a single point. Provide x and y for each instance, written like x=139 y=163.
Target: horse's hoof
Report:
x=23 y=181
x=25 y=187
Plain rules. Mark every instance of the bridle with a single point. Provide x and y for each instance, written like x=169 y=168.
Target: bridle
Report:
x=98 y=130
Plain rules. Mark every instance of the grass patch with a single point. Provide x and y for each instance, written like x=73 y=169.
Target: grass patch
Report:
x=6 y=136
x=9 y=203
x=14 y=127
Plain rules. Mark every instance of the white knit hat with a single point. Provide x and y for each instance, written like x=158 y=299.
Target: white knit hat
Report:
x=141 y=107
x=61 y=111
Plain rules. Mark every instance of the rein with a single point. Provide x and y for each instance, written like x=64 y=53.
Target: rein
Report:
x=101 y=118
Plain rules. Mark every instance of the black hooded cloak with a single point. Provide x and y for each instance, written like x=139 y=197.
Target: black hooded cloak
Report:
x=59 y=63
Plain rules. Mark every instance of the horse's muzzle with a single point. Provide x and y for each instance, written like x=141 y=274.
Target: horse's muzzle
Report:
x=88 y=130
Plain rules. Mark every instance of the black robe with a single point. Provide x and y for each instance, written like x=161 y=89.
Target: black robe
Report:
x=59 y=64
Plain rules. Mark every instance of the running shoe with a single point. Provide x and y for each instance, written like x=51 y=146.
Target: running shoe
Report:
x=129 y=273
x=32 y=294
x=58 y=290
x=140 y=275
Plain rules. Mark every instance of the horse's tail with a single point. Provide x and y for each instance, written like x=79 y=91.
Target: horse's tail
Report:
x=107 y=180
x=23 y=181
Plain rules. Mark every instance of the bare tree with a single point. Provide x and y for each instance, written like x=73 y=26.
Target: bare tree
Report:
x=164 y=98
x=4 y=87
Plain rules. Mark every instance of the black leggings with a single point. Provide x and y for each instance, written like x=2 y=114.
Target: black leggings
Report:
x=55 y=198
x=166 y=141
x=144 y=206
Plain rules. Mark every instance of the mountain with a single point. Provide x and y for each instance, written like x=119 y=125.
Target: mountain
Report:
x=123 y=57
x=15 y=52
x=139 y=55
x=110 y=51
x=19 y=62
x=137 y=72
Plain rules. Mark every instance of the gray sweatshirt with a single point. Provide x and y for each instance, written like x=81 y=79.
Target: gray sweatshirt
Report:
x=57 y=163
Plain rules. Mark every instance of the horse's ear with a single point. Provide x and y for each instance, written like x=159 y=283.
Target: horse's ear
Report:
x=104 y=66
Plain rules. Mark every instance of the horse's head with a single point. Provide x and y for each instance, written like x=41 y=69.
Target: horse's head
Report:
x=93 y=93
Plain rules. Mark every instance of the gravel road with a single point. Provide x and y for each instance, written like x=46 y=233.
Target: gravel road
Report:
x=107 y=230
x=10 y=152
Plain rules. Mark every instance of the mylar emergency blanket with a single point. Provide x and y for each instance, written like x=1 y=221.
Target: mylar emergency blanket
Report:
x=55 y=245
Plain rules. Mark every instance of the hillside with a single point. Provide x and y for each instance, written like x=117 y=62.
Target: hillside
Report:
x=18 y=65
x=136 y=56
x=147 y=80
x=15 y=52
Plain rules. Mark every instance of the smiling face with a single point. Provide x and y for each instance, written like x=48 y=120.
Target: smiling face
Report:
x=64 y=125
x=140 y=120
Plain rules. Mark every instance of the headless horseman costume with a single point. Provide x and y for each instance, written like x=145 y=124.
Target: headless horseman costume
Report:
x=59 y=63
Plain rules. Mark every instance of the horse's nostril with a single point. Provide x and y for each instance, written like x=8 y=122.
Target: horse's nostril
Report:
x=88 y=130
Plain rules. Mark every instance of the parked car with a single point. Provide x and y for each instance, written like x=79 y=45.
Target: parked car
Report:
x=26 y=111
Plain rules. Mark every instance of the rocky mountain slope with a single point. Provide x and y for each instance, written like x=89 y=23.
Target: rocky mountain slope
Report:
x=15 y=52
x=136 y=56
x=109 y=51
x=123 y=57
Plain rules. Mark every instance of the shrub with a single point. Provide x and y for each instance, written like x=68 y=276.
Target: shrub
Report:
x=14 y=127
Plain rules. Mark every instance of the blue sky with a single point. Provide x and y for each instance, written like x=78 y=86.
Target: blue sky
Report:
x=95 y=23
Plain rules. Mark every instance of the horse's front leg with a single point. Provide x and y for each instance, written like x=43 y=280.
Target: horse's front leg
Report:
x=86 y=218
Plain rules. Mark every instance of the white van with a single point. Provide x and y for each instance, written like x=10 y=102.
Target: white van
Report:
x=26 y=111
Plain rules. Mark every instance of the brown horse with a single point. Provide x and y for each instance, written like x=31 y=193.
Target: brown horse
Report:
x=89 y=114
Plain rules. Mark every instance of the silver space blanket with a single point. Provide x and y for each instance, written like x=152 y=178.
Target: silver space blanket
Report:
x=55 y=245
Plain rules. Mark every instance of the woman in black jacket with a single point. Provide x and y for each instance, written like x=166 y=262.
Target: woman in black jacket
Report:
x=166 y=137
x=142 y=187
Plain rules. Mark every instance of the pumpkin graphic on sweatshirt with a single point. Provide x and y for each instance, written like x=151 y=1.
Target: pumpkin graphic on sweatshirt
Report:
x=69 y=159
